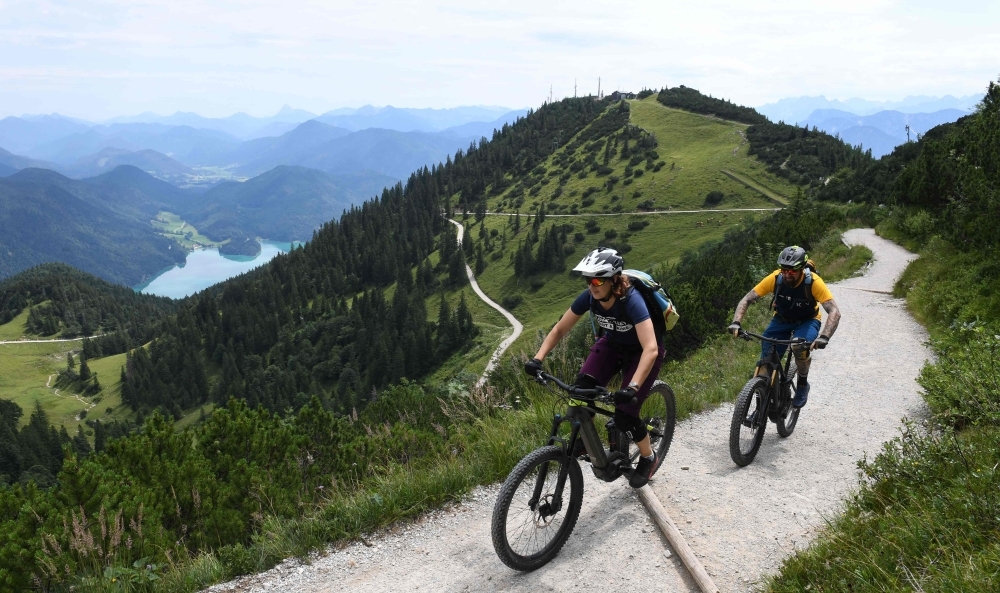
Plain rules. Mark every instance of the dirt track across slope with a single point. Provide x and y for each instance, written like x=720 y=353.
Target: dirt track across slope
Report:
x=741 y=522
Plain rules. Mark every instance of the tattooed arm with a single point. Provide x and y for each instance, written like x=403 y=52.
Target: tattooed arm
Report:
x=832 y=318
x=741 y=309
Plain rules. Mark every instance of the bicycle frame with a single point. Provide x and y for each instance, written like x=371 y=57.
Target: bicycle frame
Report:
x=580 y=416
x=777 y=371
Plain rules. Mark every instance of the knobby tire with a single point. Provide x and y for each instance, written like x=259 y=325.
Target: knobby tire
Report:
x=744 y=441
x=659 y=412
x=787 y=424
x=524 y=538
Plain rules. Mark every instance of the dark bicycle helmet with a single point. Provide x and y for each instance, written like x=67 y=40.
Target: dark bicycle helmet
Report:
x=793 y=258
x=602 y=262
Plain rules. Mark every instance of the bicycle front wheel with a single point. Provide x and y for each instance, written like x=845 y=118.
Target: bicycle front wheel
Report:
x=531 y=519
x=749 y=421
x=659 y=412
x=786 y=424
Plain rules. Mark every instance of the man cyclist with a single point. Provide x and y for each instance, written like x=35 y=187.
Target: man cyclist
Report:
x=629 y=345
x=797 y=294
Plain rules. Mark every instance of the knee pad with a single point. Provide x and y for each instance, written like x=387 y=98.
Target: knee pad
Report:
x=632 y=426
x=802 y=352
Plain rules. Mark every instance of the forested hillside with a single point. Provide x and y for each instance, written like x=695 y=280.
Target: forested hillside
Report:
x=45 y=217
x=283 y=204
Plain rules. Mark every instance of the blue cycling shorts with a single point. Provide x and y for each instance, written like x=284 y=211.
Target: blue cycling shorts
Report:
x=784 y=330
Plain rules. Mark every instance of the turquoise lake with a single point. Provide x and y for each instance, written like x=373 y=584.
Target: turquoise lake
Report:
x=205 y=267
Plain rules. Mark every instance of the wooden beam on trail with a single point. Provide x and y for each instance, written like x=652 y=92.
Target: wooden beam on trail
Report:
x=675 y=540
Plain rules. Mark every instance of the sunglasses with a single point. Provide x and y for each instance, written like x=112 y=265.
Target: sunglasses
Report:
x=595 y=281
x=788 y=271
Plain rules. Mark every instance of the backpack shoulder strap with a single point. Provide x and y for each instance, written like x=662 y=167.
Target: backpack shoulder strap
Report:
x=777 y=284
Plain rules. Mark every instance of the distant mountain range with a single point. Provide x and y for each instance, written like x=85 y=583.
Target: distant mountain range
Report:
x=92 y=224
x=417 y=120
x=797 y=109
x=101 y=225
x=882 y=131
x=285 y=203
x=189 y=150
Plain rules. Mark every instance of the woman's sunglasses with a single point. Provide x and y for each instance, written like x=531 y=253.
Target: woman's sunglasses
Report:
x=595 y=281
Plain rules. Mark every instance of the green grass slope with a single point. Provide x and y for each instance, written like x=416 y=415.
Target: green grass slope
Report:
x=645 y=211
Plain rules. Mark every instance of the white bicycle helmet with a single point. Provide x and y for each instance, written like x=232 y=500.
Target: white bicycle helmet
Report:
x=602 y=262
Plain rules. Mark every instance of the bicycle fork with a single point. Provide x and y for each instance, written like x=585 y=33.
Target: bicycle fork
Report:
x=582 y=427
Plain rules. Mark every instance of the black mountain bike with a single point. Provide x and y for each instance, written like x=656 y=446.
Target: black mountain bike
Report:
x=540 y=501
x=767 y=396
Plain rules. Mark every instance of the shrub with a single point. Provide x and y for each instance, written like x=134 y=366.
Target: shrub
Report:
x=714 y=198
x=645 y=205
x=638 y=225
x=605 y=170
x=610 y=234
x=579 y=237
x=587 y=202
x=511 y=301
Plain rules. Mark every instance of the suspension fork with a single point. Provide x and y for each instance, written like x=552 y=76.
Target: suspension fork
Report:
x=543 y=469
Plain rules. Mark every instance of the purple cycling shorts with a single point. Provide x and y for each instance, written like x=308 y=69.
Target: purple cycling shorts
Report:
x=604 y=361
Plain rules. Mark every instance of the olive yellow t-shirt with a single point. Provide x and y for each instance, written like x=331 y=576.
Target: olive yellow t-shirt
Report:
x=820 y=292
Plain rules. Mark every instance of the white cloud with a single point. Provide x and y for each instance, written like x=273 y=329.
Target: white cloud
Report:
x=99 y=59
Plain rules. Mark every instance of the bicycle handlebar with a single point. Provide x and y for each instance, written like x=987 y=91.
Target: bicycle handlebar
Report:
x=747 y=335
x=597 y=393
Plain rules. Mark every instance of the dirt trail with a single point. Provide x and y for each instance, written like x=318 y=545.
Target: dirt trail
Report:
x=740 y=522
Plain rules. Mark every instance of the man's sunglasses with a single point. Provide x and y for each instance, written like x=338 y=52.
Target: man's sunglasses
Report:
x=595 y=281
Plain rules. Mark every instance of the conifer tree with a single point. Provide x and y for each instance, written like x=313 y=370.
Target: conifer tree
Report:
x=84 y=369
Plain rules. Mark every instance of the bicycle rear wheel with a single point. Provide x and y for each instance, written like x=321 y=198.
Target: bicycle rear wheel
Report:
x=749 y=421
x=659 y=412
x=526 y=536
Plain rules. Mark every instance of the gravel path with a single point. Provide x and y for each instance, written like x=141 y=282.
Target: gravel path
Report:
x=740 y=522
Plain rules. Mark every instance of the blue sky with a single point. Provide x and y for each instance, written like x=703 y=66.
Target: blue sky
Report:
x=100 y=59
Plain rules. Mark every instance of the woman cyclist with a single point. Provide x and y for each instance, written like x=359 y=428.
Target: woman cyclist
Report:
x=628 y=345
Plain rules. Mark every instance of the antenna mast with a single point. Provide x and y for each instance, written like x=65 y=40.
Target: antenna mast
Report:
x=574 y=88
x=598 y=87
x=907 y=133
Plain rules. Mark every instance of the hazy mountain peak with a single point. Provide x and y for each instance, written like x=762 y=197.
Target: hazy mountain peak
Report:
x=797 y=109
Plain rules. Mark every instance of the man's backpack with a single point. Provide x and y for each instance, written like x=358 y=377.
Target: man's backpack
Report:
x=661 y=307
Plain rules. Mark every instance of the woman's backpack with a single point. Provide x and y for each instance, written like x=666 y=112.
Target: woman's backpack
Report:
x=661 y=307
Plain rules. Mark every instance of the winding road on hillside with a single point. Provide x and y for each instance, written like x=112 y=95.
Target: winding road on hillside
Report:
x=740 y=522
x=518 y=328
